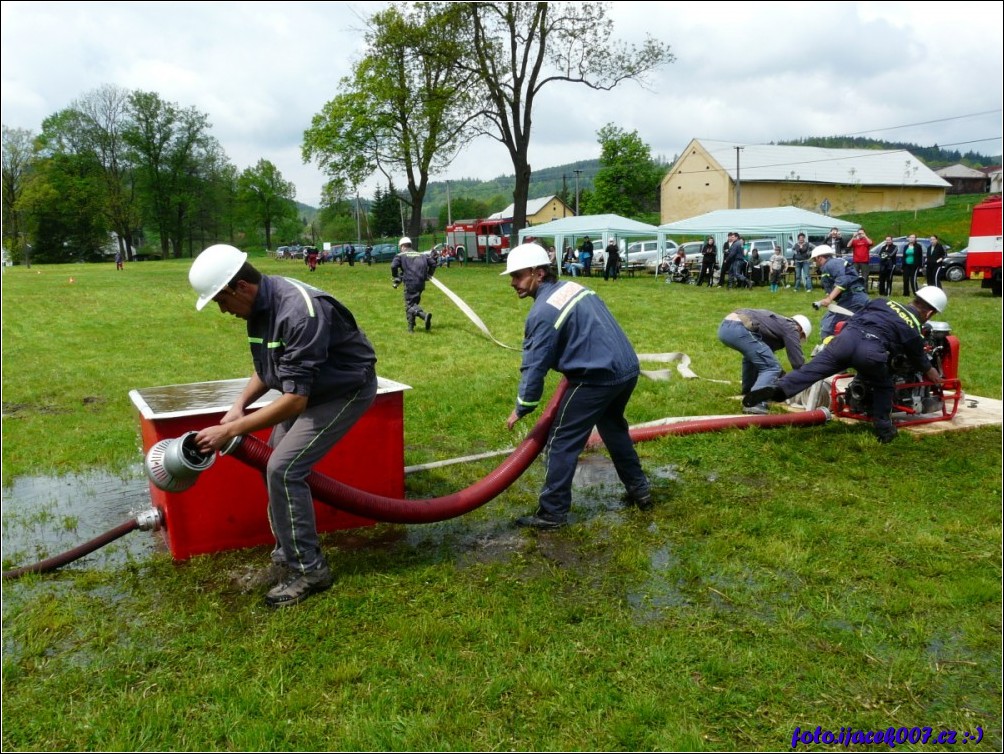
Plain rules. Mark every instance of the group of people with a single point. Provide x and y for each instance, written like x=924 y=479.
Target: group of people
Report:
x=308 y=346
x=735 y=265
x=575 y=263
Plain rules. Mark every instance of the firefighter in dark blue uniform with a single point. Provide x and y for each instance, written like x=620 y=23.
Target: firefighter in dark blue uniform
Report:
x=414 y=269
x=570 y=330
x=867 y=342
x=843 y=286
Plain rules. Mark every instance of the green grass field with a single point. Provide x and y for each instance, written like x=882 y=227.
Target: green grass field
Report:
x=786 y=578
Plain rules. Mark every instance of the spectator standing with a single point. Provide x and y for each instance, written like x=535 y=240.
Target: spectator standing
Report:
x=413 y=269
x=802 y=257
x=310 y=258
x=836 y=242
x=612 y=267
x=778 y=265
x=570 y=329
x=861 y=248
x=735 y=263
x=913 y=260
x=935 y=262
x=887 y=266
x=709 y=260
x=118 y=259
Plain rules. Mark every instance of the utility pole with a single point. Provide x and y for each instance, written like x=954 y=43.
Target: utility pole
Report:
x=449 y=211
x=564 y=194
x=576 y=191
x=738 y=189
x=359 y=235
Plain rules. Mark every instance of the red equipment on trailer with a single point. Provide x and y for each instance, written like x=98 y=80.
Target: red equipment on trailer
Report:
x=915 y=400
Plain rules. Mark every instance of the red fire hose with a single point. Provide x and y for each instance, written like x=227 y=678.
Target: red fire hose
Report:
x=148 y=520
x=255 y=453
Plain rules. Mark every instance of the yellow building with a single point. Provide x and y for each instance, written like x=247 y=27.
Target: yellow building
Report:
x=539 y=211
x=713 y=175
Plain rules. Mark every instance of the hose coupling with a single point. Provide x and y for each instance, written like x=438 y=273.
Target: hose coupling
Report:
x=150 y=520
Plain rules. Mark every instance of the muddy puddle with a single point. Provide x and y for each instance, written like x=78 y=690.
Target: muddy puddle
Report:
x=46 y=516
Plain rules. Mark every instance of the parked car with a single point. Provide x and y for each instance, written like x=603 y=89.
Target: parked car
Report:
x=900 y=241
x=955 y=266
x=384 y=252
x=693 y=251
x=691 y=248
x=639 y=254
x=764 y=248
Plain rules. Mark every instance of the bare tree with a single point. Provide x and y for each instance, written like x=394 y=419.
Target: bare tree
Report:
x=519 y=48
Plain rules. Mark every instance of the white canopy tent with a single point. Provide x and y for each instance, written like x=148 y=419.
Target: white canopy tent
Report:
x=782 y=224
x=599 y=228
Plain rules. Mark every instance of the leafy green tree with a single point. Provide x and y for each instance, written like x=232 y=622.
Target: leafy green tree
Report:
x=386 y=212
x=18 y=158
x=464 y=208
x=268 y=196
x=519 y=48
x=91 y=129
x=65 y=218
x=337 y=221
x=404 y=109
x=219 y=210
x=627 y=183
x=170 y=146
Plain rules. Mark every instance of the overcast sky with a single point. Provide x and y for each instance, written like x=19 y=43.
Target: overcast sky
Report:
x=924 y=73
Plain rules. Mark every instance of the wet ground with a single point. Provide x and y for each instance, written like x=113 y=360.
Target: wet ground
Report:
x=46 y=516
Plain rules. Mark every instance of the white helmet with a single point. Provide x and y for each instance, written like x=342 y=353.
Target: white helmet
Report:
x=525 y=256
x=404 y=242
x=804 y=323
x=213 y=269
x=821 y=251
x=933 y=296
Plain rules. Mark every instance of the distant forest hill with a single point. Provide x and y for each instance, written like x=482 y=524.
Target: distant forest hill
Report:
x=560 y=180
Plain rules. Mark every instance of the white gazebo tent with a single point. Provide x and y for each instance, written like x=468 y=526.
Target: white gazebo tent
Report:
x=600 y=228
x=782 y=224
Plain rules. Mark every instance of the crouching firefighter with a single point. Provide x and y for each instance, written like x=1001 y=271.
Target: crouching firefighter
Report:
x=879 y=332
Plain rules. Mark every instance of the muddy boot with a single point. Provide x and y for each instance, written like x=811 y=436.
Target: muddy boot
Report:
x=411 y=323
x=428 y=321
x=885 y=432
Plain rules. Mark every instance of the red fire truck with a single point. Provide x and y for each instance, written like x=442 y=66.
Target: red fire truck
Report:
x=983 y=262
x=480 y=240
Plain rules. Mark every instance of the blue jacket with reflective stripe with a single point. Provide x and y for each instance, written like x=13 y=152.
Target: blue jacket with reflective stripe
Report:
x=303 y=341
x=569 y=329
